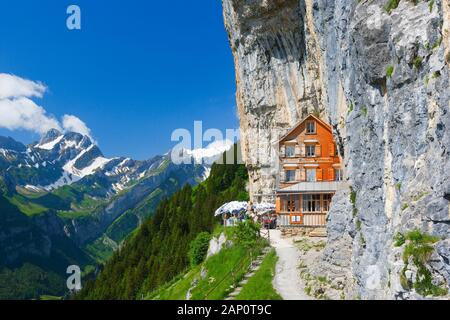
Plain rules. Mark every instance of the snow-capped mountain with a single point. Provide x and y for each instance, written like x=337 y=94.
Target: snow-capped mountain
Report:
x=96 y=186
x=60 y=159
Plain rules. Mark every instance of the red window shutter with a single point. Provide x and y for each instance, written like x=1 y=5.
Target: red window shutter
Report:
x=332 y=150
x=278 y=204
x=331 y=174
x=319 y=174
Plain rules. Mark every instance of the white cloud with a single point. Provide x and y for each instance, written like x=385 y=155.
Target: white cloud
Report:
x=14 y=87
x=75 y=124
x=22 y=113
x=18 y=111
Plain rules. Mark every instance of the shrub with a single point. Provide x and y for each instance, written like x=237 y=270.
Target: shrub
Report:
x=364 y=111
x=418 y=237
x=430 y=5
x=353 y=201
x=399 y=239
x=350 y=107
x=419 y=249
x=417 y=62
x=199 y=248
x=389 y=71
x=362 y=241
x=358 y=224
x=419 y=196
x=437 y=44
x=436 y=74
x=353 y=196
x=391 y=5
x=246 y=233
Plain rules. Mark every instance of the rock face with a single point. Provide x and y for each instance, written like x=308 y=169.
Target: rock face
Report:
x=274 y=79
x=380 y=75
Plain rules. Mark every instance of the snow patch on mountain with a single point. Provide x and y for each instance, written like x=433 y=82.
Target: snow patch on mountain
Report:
x=209 y=154
x=50 y=145
x=97 y=163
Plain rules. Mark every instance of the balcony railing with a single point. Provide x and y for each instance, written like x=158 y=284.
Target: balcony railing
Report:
x=322 y=186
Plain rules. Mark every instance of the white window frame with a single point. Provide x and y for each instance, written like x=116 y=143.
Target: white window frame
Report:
x=313 y=172
x=287 y=175
x=338 y=175
x=309 y=148
x=326 y=202
x=287 y=153
x=308 y=124
x=311 y=201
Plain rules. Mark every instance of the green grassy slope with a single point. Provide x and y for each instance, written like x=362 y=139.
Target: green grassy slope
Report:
x=259 y=287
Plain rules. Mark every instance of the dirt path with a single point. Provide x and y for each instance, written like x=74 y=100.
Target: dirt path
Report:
x=287 y=279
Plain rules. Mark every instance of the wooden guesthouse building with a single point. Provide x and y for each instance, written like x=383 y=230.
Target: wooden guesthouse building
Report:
x=310 y=174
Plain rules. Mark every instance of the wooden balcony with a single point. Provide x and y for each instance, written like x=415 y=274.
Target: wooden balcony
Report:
x=306 y=219
x=312 y=187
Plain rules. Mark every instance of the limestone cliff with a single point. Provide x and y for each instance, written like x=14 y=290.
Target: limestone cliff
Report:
x=378 y=71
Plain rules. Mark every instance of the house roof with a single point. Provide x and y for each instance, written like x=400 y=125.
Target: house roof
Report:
x=326 y=125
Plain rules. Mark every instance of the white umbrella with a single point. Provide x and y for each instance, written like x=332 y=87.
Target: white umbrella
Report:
x=263 y=208
x=233 y=207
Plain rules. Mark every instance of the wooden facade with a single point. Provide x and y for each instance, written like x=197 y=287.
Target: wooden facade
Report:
x=310 y=169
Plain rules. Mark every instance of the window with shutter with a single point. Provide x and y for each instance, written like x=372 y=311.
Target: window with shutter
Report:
x=290 y=151
x=311 y=151
x=290 y=175
x=283 y=151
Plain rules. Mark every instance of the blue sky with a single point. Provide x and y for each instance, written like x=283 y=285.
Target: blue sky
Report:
x=135 y=72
